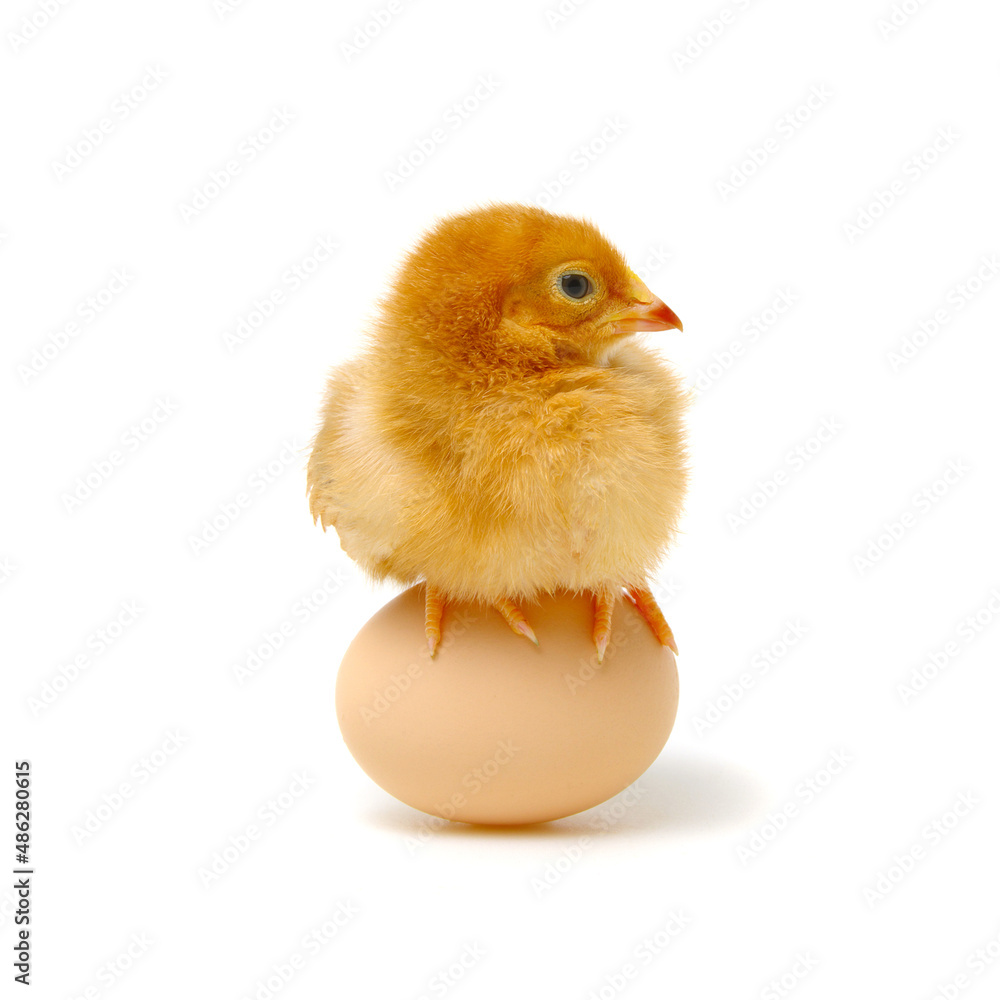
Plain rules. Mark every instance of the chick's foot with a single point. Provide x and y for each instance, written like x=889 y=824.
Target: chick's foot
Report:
x=604 y=602
x=646 y=605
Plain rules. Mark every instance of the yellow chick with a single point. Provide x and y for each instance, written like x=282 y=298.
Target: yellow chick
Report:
x=503 y=434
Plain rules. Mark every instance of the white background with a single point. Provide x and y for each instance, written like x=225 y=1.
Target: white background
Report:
x=811 y=444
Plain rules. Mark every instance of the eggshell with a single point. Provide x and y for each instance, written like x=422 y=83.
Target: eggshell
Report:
x=494 y=729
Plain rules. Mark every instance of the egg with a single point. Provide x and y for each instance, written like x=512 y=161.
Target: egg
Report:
x=495 y=730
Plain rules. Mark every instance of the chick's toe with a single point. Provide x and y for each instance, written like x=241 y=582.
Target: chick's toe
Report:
x=515 y=618
x=604 y=603
x=433 y=610
x=646 y=605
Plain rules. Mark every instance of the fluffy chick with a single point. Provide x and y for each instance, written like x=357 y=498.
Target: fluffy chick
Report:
x=503 y=434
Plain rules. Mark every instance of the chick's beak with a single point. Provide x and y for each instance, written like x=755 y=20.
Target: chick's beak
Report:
x=647 y=313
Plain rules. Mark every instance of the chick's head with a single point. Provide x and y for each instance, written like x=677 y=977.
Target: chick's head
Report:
x=517 y=285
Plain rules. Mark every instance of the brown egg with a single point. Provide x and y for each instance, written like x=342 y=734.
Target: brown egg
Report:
x=497 y=730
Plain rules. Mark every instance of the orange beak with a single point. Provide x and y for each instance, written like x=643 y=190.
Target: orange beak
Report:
x=648 y=313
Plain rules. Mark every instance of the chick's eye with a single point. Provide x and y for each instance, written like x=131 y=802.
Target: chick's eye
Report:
x=575 y=285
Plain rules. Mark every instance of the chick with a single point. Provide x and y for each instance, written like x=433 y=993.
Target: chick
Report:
x=503 y=434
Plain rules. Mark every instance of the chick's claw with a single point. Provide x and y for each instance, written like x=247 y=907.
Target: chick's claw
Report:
x=646 y=605
x=515 y=619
